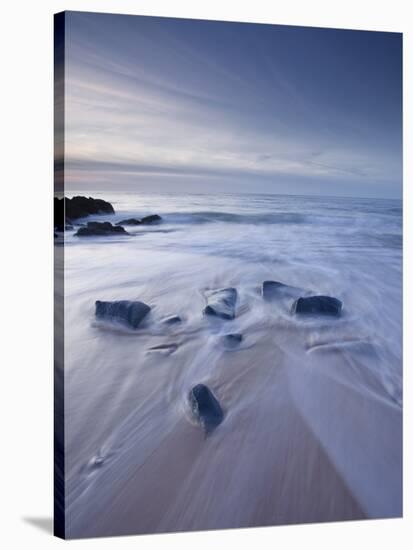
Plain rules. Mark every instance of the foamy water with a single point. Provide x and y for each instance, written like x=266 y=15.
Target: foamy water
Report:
x=312 y=427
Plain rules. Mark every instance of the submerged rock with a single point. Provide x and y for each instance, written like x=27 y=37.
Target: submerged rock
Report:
x=165 y=349
x=221 y=302
x=317 y=305
x=94 y=229
x=233 y=339
x=130 y=221
x=272 y=290
x=172 y=320
x=151 y=219
x=205 y=407
x=125 y=311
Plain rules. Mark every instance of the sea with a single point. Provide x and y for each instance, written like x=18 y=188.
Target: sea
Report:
x=299 y=394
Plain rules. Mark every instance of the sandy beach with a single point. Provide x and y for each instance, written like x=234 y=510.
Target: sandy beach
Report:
x=312 y=427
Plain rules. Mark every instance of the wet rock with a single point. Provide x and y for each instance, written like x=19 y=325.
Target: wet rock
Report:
x=79 y=207
x=221 y=303
x=130 y=221
x=233 y=339
x=317 y=305
x=164 y=349
x=205 y=407
x=172 y=320
x=125 y=311
x=98 y=461
x=272 y=290
x=153 y=218
x=94 y=229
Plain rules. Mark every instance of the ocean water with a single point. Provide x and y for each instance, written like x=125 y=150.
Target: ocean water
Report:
x=313 y=407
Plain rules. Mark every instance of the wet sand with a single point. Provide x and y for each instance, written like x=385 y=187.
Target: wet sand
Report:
x=299 y=443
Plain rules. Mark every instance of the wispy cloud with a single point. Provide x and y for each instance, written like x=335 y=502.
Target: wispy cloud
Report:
x=145 y=97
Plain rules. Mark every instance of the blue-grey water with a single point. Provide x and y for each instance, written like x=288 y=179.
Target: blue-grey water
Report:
x=313 y=407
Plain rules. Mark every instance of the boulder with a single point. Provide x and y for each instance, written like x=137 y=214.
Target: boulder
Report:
x=233 y=339
x=153 y=218
x=79 y=207
x=317 y=305
x=221 y=302
x=129 y=221
x=124 y=311
x=94 y=229
x=271 y=290
x=205 y=407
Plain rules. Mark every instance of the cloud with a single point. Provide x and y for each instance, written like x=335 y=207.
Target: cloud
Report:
x=150 y=99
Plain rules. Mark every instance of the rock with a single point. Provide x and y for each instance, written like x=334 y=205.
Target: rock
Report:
x=205 y=407
x=130 y=221
x=172 y=320
x=273 y=289
x=56 y=235
x=79 y=207
x=144 y=221
x=233 y=339
x=125 y=311
x=151 y=219
x=98 y=461
x=165 y=349
x=221 y=303
x=317 y=305
x=100 y=228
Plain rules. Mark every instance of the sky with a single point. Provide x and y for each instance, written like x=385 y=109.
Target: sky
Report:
x=204 y=106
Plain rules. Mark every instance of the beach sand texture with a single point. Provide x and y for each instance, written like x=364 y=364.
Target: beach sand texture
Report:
x=312 y=427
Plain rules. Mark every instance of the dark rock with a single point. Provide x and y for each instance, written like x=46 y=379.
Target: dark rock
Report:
x=317 y=305
x=221 y=303
x=100 y=228
x=130 y=313
x=55 y=235
x=233 y=339
x=205 y=407
x=98 y=461
x=78 y=207
x=172 y=320
x=272 y=290
x=151 y=219
x=165 y=349
x=130 y=221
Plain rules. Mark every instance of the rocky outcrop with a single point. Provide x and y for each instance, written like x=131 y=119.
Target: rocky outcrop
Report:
x=147 y=220
x=97 y=229
x=124 y=311
x=205 y=407
x=317 y=305
x=153 y=218
x=221 y=302
x=67 y=210
x=129 y=221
